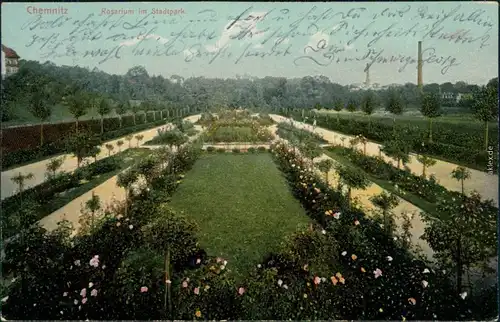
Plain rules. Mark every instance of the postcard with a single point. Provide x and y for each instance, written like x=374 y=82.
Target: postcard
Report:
x=249 y=161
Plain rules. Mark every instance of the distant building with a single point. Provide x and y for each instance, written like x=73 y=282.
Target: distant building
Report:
x=10 y=61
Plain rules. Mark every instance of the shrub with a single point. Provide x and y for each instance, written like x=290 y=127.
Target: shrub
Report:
x=252 y=150
x=262 y=149
x=235 y=150
x=210 y=149
x=221 y=150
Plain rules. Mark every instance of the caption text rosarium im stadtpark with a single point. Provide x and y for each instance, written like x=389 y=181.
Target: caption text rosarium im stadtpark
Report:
x=38 y=10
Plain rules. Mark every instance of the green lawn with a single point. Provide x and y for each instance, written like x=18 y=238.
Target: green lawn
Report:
x=242 y=205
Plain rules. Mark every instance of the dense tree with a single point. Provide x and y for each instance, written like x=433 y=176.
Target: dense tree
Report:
x=485 y=106
x=77 y=103
x=351 y=106
x=41 y=108
x=351 y=178
x=325 y=166
x=394 y=106
x=461 y=174
x=386 y=202
x=103 y=109
x=426 y=163
x=338 y=106
x=431 y=108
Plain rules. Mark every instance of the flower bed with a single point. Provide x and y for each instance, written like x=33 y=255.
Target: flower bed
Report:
x=293 y=134
x=41 y=200
x=428 y=190
x=454 y=143
x=343 y=268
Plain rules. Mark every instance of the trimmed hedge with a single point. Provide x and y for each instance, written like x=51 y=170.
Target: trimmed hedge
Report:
x=14 y=158
x=428 y=190
x=453 y=142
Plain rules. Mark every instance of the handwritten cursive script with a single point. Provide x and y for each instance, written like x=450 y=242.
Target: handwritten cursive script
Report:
x=295 y=35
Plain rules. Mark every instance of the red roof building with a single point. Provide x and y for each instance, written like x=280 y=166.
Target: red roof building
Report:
x=10 y=61
x=9 y=52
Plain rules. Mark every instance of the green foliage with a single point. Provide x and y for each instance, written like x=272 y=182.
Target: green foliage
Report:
x=39 y=106
x=485 y=104
x=368 y=104
x=426 y=162
x=386 y=202
x=352 y=179
x=310 y=149
x=431 y=105
x=461 y=174
x=325 y=166
x=394 y=104
x=54 y=165
x=82 y=144
x=397 y=149
x=465 y=238
x=351 y=106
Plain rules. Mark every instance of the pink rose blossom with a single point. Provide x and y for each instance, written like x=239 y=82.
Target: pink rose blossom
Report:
x=197 y=290
x=241 y=290
x=184 y=284
x=144 y=289
x=84 y=301
x=377 y=273
x=93 y=292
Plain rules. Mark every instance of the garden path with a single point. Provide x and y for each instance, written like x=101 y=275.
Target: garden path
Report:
x=484 y=183
x=108 y=192
x=38 y=169
x=362 y=197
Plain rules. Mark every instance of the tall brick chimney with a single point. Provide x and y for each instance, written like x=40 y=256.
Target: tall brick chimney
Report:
x=420 y=81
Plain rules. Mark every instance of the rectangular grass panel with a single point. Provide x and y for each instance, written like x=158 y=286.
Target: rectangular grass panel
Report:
x=242 y=205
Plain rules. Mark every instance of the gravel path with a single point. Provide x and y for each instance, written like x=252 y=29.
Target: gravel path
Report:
x=108 y=192
x=363 y=199
x=70 y=164
x=484 y=183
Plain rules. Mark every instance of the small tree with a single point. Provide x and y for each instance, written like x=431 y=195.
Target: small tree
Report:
x=430 y=108
x=110 y=148
x=119 y=144
x=461 y=174
x=82 y=144
x=363 y=141
x=485 y=107
x=125 y=180
x=78 y=105
x=134 y=108
x=103 y=109
x=353 y=179
x=87 y=218
x=325 y=166
x=310 y=150
x=139 y=138
x=129 y=138
x=394 y=105
x=386 y=202
x=338 y=106
x=426 y=162
x=121 y=109
x=41 y=109
x=94 y=152
x=465 y=236
x=368 y=105
x=351 y=106
x=54 y=165
x=397 y=150
x=342 y=139
x=20 y=179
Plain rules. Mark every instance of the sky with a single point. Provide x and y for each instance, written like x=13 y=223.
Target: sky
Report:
x=224 y=39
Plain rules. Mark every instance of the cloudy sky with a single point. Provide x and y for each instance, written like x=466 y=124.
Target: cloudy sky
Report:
x=223 y=39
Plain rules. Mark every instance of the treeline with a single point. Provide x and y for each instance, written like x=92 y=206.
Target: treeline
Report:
x=38 y=85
